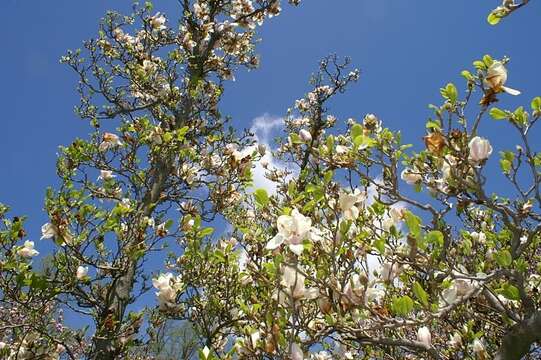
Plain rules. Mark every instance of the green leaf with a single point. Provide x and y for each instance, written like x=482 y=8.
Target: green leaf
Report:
x=379 y=244
x=206 y=232
x=487 y=59
x=509 y=291
x=413 y=223
x=261 y=197
x=498 y=114
x=403 y=305
x=493 y=19
x=504 y=258
x=452 y=92
x=467 y=75
x=449 y=92
x=520 y=116
x=536 y=103
x=505 y=165
x=363 y=142
x=433 y=124
x=420 y=293
x=479 y=65
x=435 y=237
x=356 y=130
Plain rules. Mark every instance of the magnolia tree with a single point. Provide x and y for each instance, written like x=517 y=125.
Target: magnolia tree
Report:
x=365 y=250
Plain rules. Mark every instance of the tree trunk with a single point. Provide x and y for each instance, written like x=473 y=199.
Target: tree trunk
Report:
x=517 y=342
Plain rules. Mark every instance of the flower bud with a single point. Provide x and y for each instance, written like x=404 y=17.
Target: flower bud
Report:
x=480 y=149
x=305 y=135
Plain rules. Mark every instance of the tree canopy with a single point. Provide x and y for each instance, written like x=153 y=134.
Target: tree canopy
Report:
x=363 y=248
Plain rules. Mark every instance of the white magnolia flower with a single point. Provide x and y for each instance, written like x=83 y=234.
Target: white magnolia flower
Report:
x=28 y=249
x=206 y=352
x=424 y=336
x=478 y=347
x=455 y=340
x=347 y=203
x=478 y=236
x=3 y=345
x=296 y=352
x=48 y=231
x=305 y=135
x=390 y=271
x=354 y=290
x=480 y=149
x=410 y=177
x=293 y=282
x=109 y=141
x=292 y=230
x=166 y=293
x=342 y=149
x=448 y=163
x=158 y=22
x=497 y=77
x=321 y=355
x=374 y=295
x=82 y=271
x=106 y=175
x=458 y=289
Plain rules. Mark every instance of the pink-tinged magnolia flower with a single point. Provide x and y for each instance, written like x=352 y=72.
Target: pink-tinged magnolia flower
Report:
x=158 y=22
x=480 y=149
x=28 y=249
x=109 y=141
x=292 y=230
x=296 y=352
x=347 y=203
x=497 y=77
x=81 y=273
x=106 y=175
x=424 y=336
x=166 y=293
x=48 y=231
x=305 y=135
x=410 y=177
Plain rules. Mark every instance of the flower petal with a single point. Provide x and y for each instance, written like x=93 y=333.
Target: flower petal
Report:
x=275 y=242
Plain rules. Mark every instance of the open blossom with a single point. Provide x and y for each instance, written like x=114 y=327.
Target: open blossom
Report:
x=158 y=22
x=166 y=293
x=109 y=141
x=48 y=231
x=292 y=230
x=374 y=295
x=458 y=289
x=347 y=203
x=480 y=149
x=28 y=249
x=410 y=177
x=106 y=175
x=424 y=336
x=82 y=271
x=497 y=77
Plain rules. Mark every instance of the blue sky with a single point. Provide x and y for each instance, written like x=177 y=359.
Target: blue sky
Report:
x=406 y=51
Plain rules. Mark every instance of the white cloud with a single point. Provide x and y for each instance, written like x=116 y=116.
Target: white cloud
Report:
x=263 y=127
